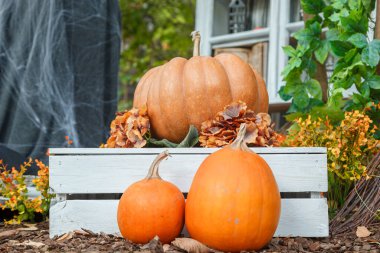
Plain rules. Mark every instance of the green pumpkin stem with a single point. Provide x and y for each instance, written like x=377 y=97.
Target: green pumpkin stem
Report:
x=196 y=36
x=153 y=170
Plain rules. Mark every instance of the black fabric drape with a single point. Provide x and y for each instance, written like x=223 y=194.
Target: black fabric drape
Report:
x=58 y=73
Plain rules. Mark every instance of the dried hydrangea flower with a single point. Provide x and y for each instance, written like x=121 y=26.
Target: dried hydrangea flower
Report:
x=223 y=129
x=128 y=129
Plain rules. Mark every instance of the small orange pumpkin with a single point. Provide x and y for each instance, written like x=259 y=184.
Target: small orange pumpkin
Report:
x=151 y=207
x=233 y=203
x=185 y=92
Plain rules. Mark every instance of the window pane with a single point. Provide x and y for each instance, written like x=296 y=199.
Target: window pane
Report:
x=232 y=16
x=295 y=11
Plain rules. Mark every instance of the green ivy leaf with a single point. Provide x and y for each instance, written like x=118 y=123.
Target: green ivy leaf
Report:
x=339 y=48
x=359 y=99
x=335 y=98
x=301 y=98
x=290 y=51
x=353 y=4
x=370 y=54
x=292 y=64
x=339 y=4
x=335 y=17
x=312 y=6
x=322 y=52
x=365 y=90
x=311 y=66
x=368 y=4
x=283 y=95
x=359 y=40
x=304 y=36
x=373 y=82
x=355 y=22
x=314 y=88
x=332 y=34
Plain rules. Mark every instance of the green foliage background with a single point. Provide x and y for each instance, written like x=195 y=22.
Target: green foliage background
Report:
x=153 y=32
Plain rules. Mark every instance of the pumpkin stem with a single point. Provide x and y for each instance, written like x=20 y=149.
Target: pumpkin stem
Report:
x=240 y=142
x=153 y=170
x=196 y=36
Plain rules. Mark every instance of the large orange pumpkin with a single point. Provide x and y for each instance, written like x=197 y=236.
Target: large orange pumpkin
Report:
x=185 y=92
x=151 y=207
x=233 y=203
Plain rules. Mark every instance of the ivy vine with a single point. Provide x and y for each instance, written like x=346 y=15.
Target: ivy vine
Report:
x=339 y=28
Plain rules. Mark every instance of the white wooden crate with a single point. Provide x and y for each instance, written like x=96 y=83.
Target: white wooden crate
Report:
x=74 y=172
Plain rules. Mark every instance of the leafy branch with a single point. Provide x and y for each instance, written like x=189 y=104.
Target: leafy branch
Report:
x=338 y=28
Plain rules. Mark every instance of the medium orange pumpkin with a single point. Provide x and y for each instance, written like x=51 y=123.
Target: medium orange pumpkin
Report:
x=233 y=203
x=151 y=207
x=185 y=92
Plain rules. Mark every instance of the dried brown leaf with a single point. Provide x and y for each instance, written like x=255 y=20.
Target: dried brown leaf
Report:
x=191 y=245
x=8 y=233
x=29 y=228
x=65 y=237
x=362 y=231
x=251 y=133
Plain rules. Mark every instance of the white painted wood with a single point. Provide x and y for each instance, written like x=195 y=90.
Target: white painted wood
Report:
x=260 y=33
x=241 y=43
x=273 y=51
x=142 y=151
x=204 y=23
x=299 y=217
x=112 y=174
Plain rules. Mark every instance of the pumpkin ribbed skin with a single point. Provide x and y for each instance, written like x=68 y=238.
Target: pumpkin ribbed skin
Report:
x=151 y=207
x=184 y=92
x=233 y=203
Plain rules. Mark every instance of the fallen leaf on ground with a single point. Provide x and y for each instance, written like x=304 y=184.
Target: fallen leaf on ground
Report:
x=191 y=245
x=8 y=233
x=66 y=236
x=28 y=243
x=80 y=232
x=314 y=246
x=29 y=228
x=362 y=231
x=166 y=247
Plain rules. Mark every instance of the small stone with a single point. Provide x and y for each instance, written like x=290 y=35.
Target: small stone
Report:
x=357 y=248
x=366 y=247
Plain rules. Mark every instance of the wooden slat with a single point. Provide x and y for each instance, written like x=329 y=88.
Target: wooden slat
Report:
x=113 y=174
x=143 y=151
x=299 y=217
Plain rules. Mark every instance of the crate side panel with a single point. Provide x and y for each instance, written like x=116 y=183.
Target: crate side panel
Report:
x=299 y=217
x=113 y=174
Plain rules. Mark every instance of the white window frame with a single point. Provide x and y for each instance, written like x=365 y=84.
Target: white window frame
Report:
x=277 y=34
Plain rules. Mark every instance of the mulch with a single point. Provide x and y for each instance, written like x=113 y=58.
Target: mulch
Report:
x=35 y=238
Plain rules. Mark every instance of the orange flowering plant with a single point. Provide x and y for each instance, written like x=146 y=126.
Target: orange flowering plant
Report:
x=14 y=189
x=350 y=146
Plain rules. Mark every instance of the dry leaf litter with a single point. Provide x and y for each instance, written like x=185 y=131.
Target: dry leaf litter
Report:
x=19 y=238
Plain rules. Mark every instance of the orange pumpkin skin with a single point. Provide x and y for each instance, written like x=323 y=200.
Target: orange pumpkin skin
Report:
x=233 y=203
x=184 y=92
x=151 y=207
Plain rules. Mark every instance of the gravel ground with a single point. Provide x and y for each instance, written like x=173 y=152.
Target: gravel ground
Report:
x=35 y=238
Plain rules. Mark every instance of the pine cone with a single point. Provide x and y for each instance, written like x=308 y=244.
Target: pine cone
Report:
x=128 y=129
x=223 y=129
